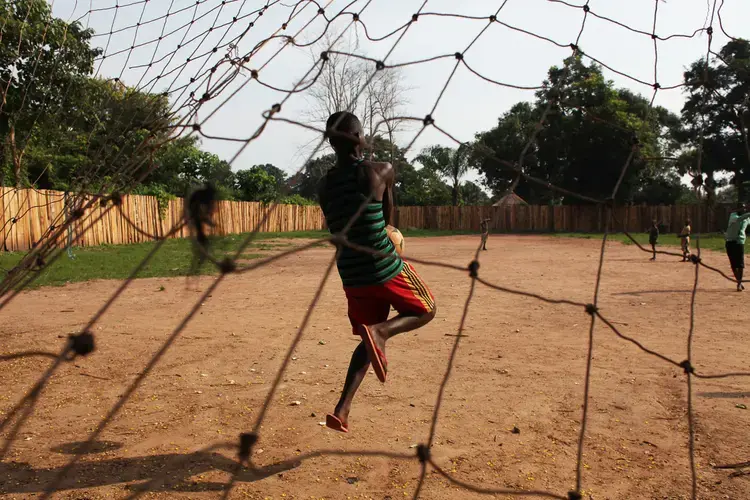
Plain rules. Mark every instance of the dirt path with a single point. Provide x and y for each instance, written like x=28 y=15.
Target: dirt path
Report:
x=521 y=364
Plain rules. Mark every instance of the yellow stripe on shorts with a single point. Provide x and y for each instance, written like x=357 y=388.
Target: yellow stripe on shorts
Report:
x=418 y=287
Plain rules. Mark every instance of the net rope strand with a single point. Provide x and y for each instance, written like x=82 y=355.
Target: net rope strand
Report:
x=422 y=454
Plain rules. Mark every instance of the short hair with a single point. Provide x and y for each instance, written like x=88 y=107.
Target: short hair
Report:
x=346 y=123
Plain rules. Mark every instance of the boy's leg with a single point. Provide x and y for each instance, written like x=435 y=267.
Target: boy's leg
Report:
x=361 y=311
x=653 y=249
x=411 y=297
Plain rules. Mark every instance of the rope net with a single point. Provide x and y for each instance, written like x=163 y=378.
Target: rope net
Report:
x=205 y=56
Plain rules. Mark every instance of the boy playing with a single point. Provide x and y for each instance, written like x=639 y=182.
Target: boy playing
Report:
x=653 y=236
x=735 y=242
x=685 y=241
x=485 y=227
x=372 y=283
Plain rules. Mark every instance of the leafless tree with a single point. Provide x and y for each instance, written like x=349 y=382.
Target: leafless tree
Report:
x=351 y=83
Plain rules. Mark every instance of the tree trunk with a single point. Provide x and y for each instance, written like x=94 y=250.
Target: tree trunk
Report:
x=455 y=194
x=15 y=155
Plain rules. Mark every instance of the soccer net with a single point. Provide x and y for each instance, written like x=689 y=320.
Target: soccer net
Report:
x=94 y=93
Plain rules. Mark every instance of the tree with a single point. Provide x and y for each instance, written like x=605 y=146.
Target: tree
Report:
x=306 y=182
x=584 y=142
x=41 y=59
x=473 y=195
x=421 y=187
x=348 y=83
x=716 y=117
x=452 y=164
x=257 y=184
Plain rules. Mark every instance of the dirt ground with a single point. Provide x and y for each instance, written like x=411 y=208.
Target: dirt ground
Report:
x=520 y=365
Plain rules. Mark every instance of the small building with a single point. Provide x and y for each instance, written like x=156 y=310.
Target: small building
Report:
x=510 y=199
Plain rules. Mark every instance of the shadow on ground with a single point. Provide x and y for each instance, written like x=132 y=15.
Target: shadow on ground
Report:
x=167 y=472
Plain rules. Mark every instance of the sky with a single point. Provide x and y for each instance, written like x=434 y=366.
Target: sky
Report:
x=159 y=45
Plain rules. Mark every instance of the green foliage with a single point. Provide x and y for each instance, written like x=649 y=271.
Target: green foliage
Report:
x=256 y=184
x=296 y=199
x=473 y=195
x=451 y=164
x=41 y=58
x=158 y=191
x=716 y=118
x=584 y=142
x=420 y=187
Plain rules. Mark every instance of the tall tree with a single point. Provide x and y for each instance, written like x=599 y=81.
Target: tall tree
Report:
x=41 y=59
x=350 y=83
x=584 y=141
x=449 y=163
x=716 y=117
x=473 y=195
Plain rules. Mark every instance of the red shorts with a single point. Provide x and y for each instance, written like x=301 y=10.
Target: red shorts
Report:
x=406 y=292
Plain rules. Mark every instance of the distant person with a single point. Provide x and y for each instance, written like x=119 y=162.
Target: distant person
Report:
x=653 y=237
x=485 y=227
x=372 y=283
x=685 y=240
x=735 y=242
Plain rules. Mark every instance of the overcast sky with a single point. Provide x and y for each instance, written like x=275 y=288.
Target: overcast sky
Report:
x=469 y=105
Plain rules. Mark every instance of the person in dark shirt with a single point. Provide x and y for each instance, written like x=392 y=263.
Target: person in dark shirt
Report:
x=356 y=196
x=653 y=237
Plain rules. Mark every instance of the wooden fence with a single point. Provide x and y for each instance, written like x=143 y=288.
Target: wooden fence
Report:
x=27 y=216
x=563 y=219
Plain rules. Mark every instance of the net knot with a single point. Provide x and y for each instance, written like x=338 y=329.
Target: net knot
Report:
x=414 y=18
x=379 y=65
x=227 y=266
x=321 y=11
x=247 y=441
x=428 y=120
x=77 y=213
x=52 y=227
x=459 y=56
x=82 y=343
x=586 y=8
x=355 y=17
x=254 y=74
x=474 y=269
x=685 y=365
x=283 y=26
x=276 y=108
x=196 y=127
x=710 y=30
x=574 y=47
x=39 y=262
x=656 y=86
x=13 y=220
x=591 y=309
x=695 y=259
x=324 y=56
x=423 y=453
x=493 y=18
x=205 y=97
x=116 y=199
x=574 y=495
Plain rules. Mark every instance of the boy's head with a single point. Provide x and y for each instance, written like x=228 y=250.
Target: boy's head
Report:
x=688 y=222
x=653 y=222
x=345 y=134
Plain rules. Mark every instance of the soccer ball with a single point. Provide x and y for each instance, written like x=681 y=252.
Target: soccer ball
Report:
x=396 y=238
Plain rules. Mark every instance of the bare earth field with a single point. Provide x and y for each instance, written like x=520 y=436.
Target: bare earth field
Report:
x=521 y=364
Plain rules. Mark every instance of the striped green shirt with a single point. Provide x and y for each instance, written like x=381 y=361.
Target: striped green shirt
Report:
x=737 y=227
x=343 y=196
